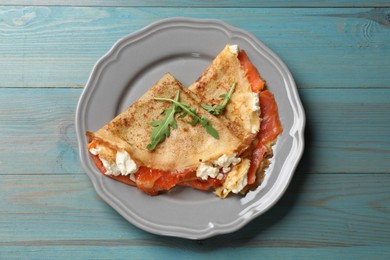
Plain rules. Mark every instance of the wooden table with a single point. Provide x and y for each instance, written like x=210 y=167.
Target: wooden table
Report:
x=338 y=204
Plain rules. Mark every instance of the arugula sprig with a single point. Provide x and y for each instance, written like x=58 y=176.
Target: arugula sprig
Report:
x=217 y=109
x=162 y=127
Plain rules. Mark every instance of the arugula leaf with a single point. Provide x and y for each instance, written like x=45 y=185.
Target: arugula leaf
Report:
x=209 y=128
x=217 y=109
x=186 y=110
x=162 y=127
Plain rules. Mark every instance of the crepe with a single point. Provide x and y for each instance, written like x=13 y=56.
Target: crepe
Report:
x=241 y=114
x=232 y=96
x=251 y=114
x=187 y=147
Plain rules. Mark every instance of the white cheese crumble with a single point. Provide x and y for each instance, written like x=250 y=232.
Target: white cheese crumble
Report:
x=125 y=164
x=234 y=49
x=111 y=168
x=95 y=151
x=226 y=162
x=256 y=103
x=204 y=171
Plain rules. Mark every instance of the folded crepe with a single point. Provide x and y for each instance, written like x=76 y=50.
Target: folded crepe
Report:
x=251 y=114
x=241 y=114
x=188 y=156
x=232 y=96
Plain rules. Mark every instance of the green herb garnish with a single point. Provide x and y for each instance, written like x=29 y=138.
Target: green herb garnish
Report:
x=217 y=109
x=162 y=127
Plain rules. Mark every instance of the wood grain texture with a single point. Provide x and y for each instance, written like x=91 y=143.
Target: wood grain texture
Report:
x=37 y=125
x=45 y=46
x=338 y=203
x=159 y=252
x=201 y=3
x=331 y=214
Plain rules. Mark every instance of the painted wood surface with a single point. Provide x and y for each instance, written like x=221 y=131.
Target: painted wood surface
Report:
x=337 y=206
x=323 y=47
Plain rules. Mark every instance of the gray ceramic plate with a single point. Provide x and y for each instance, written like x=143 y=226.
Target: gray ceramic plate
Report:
x=185 y=47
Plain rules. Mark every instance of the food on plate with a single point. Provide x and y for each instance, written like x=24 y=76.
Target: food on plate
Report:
x=126 y=148
x=217 y=134
x=251 y=114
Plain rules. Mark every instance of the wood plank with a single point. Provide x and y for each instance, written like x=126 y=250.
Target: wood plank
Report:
x=319 y=215
x=203 y=252
x=347 y=131
x=45 y=46
x=37 y=131
x=200 y=3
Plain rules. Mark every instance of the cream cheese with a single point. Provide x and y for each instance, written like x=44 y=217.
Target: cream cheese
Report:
x=204 y=171
x=111 y=168
x=226 y=162
x=256 y=103
x=234 y=49
x=95 y=151
x=125 y=164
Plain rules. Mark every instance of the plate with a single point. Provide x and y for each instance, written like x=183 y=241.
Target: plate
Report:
x=185 y=47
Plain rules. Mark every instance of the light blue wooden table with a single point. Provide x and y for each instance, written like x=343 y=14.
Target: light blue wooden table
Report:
x=338 y=204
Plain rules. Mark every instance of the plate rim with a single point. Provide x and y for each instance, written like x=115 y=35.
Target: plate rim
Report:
x=112 y=54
